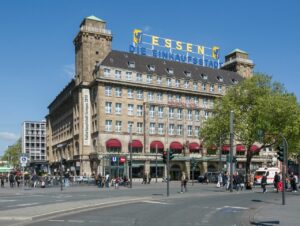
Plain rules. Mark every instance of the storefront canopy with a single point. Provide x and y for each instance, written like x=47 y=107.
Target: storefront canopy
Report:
x=176 y=146
x=194 y=146
x=226 y=147
x=159 y=145
x=240 y=148
x=136 y=144
x=254 y=148
x=113 y=143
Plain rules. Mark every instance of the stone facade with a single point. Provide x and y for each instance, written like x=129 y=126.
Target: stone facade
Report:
x=89 y=121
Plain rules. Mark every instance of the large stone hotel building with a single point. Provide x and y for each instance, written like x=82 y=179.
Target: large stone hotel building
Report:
x=118 y=96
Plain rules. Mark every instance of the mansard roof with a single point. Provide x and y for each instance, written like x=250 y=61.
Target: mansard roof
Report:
x=122 y=60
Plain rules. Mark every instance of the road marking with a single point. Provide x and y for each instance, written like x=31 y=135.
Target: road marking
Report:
x=25 y=204
x=8 y=200
x=75 y=221
x=155 y=202
x=234 y=207
x=57 y=220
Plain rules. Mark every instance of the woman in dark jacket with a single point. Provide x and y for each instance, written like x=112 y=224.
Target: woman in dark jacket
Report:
x=264 y=183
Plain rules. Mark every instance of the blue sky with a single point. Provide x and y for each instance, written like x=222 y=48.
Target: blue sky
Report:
x=37 y=53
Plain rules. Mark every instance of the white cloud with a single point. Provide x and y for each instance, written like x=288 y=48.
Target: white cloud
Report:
x=69 y=70
x=8 y=136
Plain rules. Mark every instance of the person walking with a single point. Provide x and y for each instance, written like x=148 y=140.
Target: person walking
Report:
x=2 y=181
x=264 y=183
x=276 y=181
x=11 y=180
x=144 y=179
x=183 y=183
x=293 y=182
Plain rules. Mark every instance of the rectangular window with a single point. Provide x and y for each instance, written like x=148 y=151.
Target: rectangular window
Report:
x=151 y=111
x=150 y=96
x=160 y=112
x=130 y=93
x=151 y=67
x=196 y=101
x=108 y=125
x=129 y=125
x=179 y=129
x=205 y=101
x=195 y=86
x=187 y=99
x=159 y=96
x=139 y=77
x=128 y=75
x=158 y=80
x=197 y=115
x=177 y=83
x=212 y=88
x=169 y=81
x=131 y=64
x=130 y=109
x=118 y=92
x=106 y=72
x=118 y=126
x=197 y=130
x=190 y=130
x=179 y=113
x=189 y=115
x=139 y=127
x=170 y=97
x=203 y=87
x=117 y=74
x=220 y=88
x=160 y=128
x=139 y=111
x=149 y=78
x=152 y=128
x=206 y=114
x=171 y=112
x=171 y=129
x=108 y=90
x=139 y=94
x=118 y=108
x=108 y=109
x=178 y=98
x=186 y=84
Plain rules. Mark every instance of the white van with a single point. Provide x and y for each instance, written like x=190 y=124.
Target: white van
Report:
x=270 y=174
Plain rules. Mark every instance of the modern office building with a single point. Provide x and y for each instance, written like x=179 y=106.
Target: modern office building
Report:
x=119 y=98
x=34 y=143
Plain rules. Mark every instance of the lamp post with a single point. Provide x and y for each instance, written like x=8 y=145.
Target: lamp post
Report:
x=130 y=157
x=231 y=150
x=156 y=164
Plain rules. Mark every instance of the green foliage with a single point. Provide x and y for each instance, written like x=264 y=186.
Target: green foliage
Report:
x=13 y=153
x=258 y=105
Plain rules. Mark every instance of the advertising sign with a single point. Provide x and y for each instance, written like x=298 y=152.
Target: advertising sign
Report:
x=86 y=117
x=169 y=49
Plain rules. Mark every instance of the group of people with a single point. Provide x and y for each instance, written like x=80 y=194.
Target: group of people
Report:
x=291 y=182
x=238 y=181
x=15 y=180
x=106 y=181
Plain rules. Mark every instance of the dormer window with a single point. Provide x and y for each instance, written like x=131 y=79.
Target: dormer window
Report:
x=151 y=67
x=170 y=71
x=234 y=81
x=131 y=64
x=220 y=78
x=204 y=76
x=188 y=74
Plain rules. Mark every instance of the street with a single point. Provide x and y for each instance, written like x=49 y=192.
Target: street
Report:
x=143 y=205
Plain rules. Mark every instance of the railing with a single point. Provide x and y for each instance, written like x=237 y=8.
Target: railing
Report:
x=95 y=29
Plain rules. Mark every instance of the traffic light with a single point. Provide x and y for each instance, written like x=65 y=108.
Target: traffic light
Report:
x=164 y=156
x=280 y=153
x=171 y=155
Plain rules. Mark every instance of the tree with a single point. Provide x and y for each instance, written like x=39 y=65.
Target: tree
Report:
x=13 y=153
x=262 y=110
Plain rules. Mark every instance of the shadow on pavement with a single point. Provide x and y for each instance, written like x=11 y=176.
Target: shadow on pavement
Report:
x=265 y=223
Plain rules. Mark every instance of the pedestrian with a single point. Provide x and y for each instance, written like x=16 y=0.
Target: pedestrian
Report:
x=18 y=180
x=11 y=180
x=276 y=181
x=2 y=181
x=149 y=179
x=144 y=179
x=183 y=183
x=117 y=181
x=220 y=180
x=107 y=180
x=293 y=182
x=241 y=181
x=225 y=179
x=264 y=182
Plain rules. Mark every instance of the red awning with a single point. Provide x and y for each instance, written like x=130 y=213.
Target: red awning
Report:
x=194 y=146
x=240 y=148
x=254 y=148
x=136 y=144
x=226 y=147
x=176 y=146
x=159 y=145
x=113 y=143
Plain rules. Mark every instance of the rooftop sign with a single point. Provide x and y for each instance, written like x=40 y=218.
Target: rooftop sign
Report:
x=168 y=49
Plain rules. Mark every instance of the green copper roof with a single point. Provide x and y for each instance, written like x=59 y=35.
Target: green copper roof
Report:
x=237 y=50
x=92 y=17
